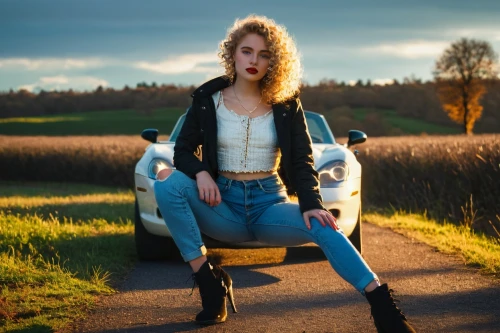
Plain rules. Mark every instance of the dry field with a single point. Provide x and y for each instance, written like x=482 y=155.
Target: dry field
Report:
x=445 y=177
x=102 y=160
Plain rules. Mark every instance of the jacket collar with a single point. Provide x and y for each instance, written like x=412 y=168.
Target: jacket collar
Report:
x=210 y=87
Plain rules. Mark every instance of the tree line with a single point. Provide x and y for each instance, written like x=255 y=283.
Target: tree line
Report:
x=412 y=98
x=466 y=87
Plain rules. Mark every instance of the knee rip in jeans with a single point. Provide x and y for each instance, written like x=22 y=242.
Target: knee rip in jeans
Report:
x=163 y=174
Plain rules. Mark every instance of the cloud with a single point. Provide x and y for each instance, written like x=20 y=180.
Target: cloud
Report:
x=54 y=80
x=380 y=82
x=481 y=33
x=383 y=82
x=409 y=49
x=62 y=82
x=205 y=63
x=33 y=64
x=186 y=63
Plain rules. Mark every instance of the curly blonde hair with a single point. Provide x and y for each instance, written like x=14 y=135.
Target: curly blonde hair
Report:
x=283 y=78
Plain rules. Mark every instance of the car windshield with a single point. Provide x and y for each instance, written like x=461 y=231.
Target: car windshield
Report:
x=318 y=128
x=177 y=128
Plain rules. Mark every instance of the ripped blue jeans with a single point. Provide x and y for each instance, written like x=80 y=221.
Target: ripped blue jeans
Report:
x=251 y=210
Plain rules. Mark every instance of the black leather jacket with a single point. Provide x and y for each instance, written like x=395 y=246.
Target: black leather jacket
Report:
x=296 y=168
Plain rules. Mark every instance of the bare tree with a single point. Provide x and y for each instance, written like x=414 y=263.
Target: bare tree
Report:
x=460 y=73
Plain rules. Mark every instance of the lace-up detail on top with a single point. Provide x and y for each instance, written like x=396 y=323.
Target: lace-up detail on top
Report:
x=393 y=301
x=245 y=144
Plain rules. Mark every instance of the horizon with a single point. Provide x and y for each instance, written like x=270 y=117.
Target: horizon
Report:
x=57 y=45
x=180 y=85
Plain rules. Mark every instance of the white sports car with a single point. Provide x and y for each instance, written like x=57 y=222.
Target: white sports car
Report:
x=338 y=168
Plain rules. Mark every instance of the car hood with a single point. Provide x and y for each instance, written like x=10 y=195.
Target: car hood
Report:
x=163 y=149
x=324 y=153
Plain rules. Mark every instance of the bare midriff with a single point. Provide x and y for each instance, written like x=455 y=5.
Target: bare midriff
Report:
x=246 y=175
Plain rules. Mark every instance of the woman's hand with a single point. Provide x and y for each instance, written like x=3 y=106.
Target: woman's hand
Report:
x=207 y=188
x=324 y=217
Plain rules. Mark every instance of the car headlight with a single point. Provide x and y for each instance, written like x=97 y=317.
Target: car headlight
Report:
x=332 y=173
x=156 y=165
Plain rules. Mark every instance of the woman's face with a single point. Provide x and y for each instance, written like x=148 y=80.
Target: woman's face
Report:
x=252 y=57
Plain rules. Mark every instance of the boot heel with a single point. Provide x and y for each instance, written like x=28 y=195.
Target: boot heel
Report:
x=230 y=296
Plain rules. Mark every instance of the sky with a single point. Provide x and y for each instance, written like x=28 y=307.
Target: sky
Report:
x=83 y=44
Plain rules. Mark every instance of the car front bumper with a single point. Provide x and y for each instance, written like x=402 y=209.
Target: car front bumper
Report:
x=344 y=202
x=148 y=208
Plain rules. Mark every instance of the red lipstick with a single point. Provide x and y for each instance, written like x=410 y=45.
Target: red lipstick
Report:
x=252 y=70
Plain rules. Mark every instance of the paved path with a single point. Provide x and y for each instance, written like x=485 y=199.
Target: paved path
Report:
x=303 y=294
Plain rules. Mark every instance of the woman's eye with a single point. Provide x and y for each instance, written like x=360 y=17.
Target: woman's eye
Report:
x=265 y=56
x=246 y=52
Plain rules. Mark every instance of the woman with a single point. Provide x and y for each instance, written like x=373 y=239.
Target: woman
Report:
x=255 y=151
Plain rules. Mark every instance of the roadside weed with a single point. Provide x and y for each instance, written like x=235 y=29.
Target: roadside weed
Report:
x=54 y=265
x=475 y=248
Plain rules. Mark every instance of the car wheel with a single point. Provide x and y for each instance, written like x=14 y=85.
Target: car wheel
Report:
x=152 y=247
x=355 y=237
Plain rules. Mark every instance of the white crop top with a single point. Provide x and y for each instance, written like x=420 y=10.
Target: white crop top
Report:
x=245 y=144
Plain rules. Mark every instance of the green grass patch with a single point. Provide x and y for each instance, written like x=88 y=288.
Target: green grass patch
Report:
x=49 y=190
x=53 y=265
x=73 y=202
x=476 y=249
x=117 y=122
x=407 y=125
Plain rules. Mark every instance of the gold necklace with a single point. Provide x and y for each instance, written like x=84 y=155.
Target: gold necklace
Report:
x=249 y=111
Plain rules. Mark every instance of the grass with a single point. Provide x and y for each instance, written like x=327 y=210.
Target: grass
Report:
x=476 y=249
x=131 y=122
x=61 y=246
x=78 y=201
x=407 y=125
x=117 y=122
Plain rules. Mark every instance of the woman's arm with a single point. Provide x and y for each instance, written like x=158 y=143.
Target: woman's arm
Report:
x=186 y=144
x=304 y=175
x=190 y=137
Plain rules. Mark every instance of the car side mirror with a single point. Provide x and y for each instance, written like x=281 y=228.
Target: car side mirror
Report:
x=150 y=134
x=356 y=137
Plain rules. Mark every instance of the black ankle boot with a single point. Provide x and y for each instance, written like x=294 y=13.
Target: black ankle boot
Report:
x=214 y=284
x=386 y=315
